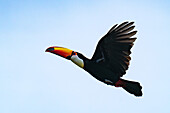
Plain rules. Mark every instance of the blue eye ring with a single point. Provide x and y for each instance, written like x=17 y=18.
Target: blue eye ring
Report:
x=73 y=53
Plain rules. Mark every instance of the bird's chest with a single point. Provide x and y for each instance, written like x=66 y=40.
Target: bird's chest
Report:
x=100 y=72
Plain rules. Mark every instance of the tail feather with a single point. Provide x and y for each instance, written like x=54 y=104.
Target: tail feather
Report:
x=130 y=86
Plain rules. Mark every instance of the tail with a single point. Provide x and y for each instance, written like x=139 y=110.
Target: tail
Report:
x=130 y=86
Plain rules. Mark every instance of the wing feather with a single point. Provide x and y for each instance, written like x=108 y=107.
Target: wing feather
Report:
x=125 y=27
x=128 y=35
x=126 y=30
x=115 y=47
x=121 y=26
x=112 y=28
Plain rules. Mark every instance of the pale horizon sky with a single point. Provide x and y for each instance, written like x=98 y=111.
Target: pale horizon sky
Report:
x=33 y=81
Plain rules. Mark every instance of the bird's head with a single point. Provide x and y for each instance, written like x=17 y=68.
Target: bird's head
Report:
x=75 y=57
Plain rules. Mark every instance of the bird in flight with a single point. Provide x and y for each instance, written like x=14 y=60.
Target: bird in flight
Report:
x=110 y=59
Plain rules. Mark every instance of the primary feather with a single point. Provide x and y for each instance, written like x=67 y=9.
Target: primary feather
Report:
x=115 y=48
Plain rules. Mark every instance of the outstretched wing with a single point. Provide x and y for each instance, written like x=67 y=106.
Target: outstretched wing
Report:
x=113 y=49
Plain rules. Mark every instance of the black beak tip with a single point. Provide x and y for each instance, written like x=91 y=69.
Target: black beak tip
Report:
x=46 y=50
x=49 y=49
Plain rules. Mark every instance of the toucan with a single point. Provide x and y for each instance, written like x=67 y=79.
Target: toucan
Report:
x=110 y=59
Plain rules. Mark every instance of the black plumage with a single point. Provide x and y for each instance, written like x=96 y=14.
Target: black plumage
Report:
x=113 y=50
x=111 y=58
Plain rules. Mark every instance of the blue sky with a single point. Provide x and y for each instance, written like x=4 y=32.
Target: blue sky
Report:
x=32 y=81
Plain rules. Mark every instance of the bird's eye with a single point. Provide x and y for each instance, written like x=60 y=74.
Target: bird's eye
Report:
x=74 y=53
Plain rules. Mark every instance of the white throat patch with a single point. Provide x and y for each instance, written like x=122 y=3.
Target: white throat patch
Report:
x=75 y=59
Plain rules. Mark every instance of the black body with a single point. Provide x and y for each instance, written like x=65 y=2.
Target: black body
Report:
x=100 y=72
x=111 y=58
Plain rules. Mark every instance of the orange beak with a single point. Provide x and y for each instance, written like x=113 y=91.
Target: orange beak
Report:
x=61 y=51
